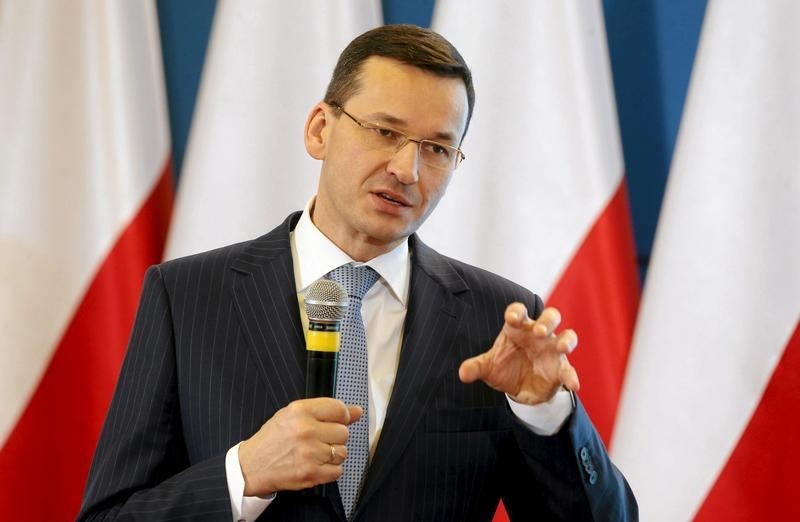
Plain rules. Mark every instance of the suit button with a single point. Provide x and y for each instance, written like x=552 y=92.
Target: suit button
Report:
x=584 y=454
x=593 y=478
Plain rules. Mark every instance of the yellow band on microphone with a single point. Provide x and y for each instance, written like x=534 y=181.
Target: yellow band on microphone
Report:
x=318 y=341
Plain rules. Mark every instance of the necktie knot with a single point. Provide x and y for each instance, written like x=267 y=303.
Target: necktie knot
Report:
x=356 y=280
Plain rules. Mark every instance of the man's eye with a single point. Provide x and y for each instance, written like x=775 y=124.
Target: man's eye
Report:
x=385 y=133
x=437 y=149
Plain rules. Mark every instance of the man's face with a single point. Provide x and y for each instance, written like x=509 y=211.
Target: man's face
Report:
x=368 y=200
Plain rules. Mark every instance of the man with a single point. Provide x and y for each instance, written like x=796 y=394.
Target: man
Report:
x=208 y=422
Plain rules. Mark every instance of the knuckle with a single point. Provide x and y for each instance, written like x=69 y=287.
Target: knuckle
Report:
x=344 y=412
x=295 y=407
x=517 y=307
x=303 y=431
x=332 y=473
x=306 y=474
x=310 y=454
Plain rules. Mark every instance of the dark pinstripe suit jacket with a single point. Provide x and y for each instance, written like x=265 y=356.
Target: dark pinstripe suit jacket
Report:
x=217 y=348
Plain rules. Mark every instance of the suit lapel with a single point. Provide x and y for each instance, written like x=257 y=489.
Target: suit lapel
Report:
x=432 y=323
x=264 y=294
x=266 y=298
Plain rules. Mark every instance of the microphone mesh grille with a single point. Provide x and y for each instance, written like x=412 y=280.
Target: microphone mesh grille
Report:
x=326 y=300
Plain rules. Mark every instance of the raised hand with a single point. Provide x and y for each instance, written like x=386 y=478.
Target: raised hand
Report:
x=528 y=360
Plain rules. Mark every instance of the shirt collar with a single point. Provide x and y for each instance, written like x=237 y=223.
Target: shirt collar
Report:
x=315 y=255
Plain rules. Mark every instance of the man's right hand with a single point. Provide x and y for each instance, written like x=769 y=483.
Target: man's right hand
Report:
x=292 y=450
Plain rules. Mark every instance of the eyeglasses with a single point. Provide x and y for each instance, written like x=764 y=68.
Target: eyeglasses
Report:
x=430 y=153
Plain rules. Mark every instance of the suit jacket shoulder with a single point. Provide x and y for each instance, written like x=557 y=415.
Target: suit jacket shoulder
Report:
x=463 y=278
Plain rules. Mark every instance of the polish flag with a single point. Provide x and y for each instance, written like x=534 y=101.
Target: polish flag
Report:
x=246 y=165
x=541 y=198
x=85 y=194
x=708 y=423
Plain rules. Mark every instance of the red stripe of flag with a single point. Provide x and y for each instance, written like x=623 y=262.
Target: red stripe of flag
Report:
x=598 y=295
x=761 y=479
x=45 y=461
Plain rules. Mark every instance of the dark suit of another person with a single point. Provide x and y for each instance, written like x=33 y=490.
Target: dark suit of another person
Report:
x=218 y=348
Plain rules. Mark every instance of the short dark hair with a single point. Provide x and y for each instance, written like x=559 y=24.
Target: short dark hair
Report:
x=405 y=43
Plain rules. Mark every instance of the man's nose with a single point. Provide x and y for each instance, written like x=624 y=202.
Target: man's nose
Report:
x=404 y=163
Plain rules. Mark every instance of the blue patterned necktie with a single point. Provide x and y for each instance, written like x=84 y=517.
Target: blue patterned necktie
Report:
x=352 y=385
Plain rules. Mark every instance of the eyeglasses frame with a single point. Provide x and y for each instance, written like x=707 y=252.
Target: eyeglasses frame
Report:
x=460 y=156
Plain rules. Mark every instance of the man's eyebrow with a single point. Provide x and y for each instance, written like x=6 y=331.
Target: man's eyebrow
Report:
x=400 y=124
x=384 y=117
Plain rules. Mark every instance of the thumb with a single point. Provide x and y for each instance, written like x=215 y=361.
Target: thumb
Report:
x=354 y=413
x=474 y=368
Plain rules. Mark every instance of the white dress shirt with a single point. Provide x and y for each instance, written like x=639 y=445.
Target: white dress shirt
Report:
x=384 y=310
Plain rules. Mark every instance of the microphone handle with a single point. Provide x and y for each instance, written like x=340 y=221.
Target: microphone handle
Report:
x=322 y=357
x=321 y=373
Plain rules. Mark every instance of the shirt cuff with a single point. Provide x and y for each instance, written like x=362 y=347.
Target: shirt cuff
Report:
x=545 y=418
x=243 y=509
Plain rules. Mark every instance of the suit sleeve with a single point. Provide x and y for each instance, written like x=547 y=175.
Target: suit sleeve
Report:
x=140 y=469
x=576 y=478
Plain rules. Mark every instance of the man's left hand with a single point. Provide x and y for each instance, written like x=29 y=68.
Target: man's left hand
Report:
x=528 y=360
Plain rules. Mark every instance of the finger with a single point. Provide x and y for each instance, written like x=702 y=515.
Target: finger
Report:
x=568 y=375
x=474 y=368
x=328 y=473
x=547 y=322
x=331 y=469
x=354 y=413
x=325 y=453
x=332 y=453
x=332 y=433
x=326 y=409
x=516 y=315
x=339 y=453
x=566 y=341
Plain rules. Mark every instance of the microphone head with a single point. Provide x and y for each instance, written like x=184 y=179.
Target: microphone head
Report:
x=326 y=301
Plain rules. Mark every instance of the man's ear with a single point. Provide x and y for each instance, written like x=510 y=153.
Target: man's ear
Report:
x=317 y=130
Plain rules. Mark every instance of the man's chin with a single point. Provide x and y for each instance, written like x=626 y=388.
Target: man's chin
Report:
x=390 y=236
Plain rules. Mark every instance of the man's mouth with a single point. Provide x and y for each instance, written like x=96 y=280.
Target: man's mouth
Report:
x=393 y=199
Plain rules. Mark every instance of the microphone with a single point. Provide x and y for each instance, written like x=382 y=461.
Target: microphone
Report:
x=326 y=303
